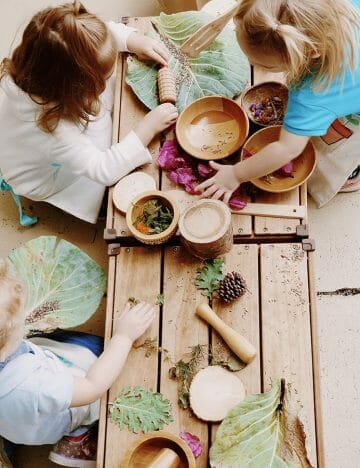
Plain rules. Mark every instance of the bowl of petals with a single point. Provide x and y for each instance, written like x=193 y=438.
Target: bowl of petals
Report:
x=152 y=217
x=290 y=176
x=265 y=103
x=212 y=127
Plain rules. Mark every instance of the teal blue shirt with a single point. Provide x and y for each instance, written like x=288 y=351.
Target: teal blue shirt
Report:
x=310 y=113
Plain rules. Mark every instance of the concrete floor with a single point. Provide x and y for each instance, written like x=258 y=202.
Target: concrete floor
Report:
x=335 y=228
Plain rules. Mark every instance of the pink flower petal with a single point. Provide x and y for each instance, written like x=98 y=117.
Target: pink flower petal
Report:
x=237 y=203
x=288 y=169
x=185 y=175
x=167 y=155
x=190 y=188
x=246 y=153
x=205 y=170
x=193 y=442
x=173 y=176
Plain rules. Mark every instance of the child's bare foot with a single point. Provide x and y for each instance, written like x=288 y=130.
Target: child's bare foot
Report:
x=155 y=122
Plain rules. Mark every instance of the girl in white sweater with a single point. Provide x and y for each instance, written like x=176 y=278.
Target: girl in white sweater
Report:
x=55 y=118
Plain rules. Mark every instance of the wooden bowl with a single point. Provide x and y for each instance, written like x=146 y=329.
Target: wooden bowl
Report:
x=304 y=164
x=146 y=449
x=134 y=211
x=257 y=94
x=212 y=127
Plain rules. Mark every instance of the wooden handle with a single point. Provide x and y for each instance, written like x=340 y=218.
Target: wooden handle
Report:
x=236 y=342
x=274 y=211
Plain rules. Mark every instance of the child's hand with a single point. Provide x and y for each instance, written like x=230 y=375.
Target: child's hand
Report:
x=155 y=122
x=147 y=48
x=221 y=185
x=134 y=321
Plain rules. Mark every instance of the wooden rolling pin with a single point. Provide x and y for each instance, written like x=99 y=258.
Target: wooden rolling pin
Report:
x=236 y=342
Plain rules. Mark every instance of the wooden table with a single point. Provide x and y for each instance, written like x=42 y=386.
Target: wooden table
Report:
x=277 y=314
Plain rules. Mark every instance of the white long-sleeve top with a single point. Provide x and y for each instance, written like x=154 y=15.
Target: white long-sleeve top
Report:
x=71 y=167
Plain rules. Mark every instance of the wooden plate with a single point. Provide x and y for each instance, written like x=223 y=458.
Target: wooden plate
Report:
x=304 y=164
x=146 y=449
x=129 y=187
x=212 y=127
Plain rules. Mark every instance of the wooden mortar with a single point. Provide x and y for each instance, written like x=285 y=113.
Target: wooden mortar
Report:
x=206 y=229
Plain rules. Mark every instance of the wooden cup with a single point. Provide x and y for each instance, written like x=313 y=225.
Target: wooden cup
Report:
x=206 y=229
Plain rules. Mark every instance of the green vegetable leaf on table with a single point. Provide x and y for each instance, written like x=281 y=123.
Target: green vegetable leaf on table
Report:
x=64 y=285
x=257 y=433
x=209 y=275
x=140 y=409
x=220 y=69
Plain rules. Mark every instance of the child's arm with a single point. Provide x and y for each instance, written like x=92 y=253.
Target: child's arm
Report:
x=101 y=375
x=272 y=157
x=130 y=40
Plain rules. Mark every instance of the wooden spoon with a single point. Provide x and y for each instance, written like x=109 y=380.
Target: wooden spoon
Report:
x=201 y=38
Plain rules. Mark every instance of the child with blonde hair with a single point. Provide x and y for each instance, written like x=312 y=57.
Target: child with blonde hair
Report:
x=315 y=43
x=50 y=385
x=55 y=118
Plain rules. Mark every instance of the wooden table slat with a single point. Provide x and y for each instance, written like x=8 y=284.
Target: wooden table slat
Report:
x=181 y=330
x=138 y=273
x=286 y=332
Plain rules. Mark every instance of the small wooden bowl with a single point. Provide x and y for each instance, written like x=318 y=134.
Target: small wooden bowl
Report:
x=258 y=93
x=304 y=164
x=146 y=448
x=212 y=127
x=134 y=210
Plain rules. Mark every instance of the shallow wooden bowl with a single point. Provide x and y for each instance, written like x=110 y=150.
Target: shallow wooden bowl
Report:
x=304 y=164
x=258 y=93
x=212 y=127
x=134 y=210
x=146 y=448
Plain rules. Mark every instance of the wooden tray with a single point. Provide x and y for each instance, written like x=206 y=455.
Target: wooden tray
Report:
x=128 y=110
x=277 y=315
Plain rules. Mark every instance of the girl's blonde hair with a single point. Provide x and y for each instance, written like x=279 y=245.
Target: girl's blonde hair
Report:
x=314 y=38
x=11 y=309
x=63 y=61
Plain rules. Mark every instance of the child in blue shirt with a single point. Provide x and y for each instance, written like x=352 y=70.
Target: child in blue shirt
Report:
x=50 y=385
x=316 y=45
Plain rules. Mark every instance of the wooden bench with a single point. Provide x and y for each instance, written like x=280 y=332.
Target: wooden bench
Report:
x=277 y=314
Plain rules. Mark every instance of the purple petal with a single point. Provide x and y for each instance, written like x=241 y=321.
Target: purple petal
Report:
x=193 y=442
x=190 y=188
x=185 y=175
x=237 y=203
x=173 y=176
x=167 y=155
x=246 y=153
x=205 y=170
x=287 y=169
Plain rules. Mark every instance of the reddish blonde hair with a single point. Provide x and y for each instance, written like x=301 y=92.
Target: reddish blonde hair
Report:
x=314 y=38
x=63 y=61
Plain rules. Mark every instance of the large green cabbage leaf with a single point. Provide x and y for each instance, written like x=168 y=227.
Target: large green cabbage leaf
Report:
x=64 y=286
x=220 y=69
x=256 y=434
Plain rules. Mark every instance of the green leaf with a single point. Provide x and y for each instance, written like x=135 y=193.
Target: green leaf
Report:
x=220 y=69
x=64 y=285
x=209 y=275
x=140 y=410
x=254 y=434
x=160 y=299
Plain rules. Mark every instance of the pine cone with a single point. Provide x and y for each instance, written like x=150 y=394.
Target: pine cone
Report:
x=231 y=287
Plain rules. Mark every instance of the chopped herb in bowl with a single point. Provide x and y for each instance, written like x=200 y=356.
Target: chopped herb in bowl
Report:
x=154 y=217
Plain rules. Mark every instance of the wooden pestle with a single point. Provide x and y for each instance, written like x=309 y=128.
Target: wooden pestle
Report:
x=166 y=85
x=236 y=342
x=166 y=458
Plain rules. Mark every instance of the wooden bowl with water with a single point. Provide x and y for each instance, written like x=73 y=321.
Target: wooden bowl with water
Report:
x=304 y=164
x=212 y=127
